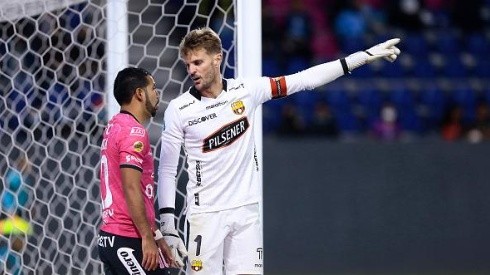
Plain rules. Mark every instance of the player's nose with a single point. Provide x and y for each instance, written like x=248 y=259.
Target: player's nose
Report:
x=191 y=70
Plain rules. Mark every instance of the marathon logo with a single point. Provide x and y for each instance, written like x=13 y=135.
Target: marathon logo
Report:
x=226 y=135
x=216 y=105
x=201 y=119
x=127 y=258
x=186 y=105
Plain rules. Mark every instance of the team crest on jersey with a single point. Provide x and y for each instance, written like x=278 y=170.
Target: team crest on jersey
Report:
x=138 y=146
x=238 y=107
x=196 y=265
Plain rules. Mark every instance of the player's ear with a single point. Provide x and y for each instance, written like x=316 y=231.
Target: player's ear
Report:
x=217 y=59
x=139 y=94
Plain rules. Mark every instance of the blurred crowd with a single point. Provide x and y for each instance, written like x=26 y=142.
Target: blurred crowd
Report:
x=438 y=88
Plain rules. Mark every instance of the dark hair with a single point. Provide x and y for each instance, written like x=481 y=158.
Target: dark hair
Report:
x=126 y=83
x=202 y=38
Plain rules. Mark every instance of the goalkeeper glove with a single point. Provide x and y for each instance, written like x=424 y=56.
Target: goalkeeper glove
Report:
x=386 y=50
x=171 y=236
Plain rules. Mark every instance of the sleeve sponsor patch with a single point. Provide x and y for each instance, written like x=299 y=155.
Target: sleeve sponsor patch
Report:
x=137 y=131
x=133 y=160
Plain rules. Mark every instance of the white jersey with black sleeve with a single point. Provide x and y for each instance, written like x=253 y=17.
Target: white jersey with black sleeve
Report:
x=217 y=136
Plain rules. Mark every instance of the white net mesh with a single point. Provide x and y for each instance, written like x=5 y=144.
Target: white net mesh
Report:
x=53 y=61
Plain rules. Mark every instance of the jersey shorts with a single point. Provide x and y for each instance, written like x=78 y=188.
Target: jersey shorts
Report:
x=235 y=233
x=123 y=255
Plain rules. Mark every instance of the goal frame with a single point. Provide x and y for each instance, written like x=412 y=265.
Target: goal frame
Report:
x=248 y=57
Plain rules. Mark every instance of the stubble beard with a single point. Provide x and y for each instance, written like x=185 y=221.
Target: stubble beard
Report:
x=152 y=110
x=207 y=81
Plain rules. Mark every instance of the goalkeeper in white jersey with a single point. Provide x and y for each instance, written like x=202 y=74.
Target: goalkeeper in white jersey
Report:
x=213 y=121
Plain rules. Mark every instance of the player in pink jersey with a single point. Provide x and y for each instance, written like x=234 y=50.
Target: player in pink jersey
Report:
x=129 y=241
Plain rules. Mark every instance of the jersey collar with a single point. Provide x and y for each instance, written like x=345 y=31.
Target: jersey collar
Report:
x=194 y=92
x=128 y=113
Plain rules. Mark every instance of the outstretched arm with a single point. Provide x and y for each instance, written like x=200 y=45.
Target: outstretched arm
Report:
x=322 y=74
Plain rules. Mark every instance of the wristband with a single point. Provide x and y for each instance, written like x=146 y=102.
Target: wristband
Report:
x=157 y=235
x=344 y=66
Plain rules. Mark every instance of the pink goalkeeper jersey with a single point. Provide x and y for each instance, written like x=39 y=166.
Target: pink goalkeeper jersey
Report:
x=125 y=144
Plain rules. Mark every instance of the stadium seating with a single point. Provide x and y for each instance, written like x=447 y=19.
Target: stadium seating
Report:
x=432 y=104
x=441 y=65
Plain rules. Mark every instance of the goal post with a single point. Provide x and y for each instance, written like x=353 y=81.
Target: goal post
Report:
x=116 y=48
x=249 y=64
x=58 y=60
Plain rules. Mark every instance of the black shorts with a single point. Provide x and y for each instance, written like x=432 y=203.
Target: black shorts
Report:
x=123 y=255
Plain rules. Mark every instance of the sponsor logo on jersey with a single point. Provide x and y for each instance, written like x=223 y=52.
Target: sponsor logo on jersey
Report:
x=138 y=146
x=103 y=145
x=226 y=135
x=256 y=160
x=198 y=173
x=186 y=105
x=149 y=190
x=108 y=128
x=196 y=198
x=137 y=131
x=238 y=107
x=131 y=158
x=260 y=252
x=196 y=265
x=216 y=105
x=105 y=241
x=202 y=119
x=106 y=214
x=127 y=258
x=236 y=87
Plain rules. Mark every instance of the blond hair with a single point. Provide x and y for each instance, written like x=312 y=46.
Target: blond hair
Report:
x=201 y=38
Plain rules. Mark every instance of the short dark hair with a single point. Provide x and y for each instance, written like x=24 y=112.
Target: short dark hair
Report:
x=201 y=38
x=126 y=83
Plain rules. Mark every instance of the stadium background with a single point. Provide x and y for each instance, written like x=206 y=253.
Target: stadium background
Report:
x=346 y=196
x=341 y=196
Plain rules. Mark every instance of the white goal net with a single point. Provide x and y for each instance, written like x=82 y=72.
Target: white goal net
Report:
x=53 y=107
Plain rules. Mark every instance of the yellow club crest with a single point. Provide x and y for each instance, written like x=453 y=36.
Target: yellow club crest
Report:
x=196 y=265
x=238 y=107
x=138 y=146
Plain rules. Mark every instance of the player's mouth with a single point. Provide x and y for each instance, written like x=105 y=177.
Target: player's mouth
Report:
x=196 y=79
